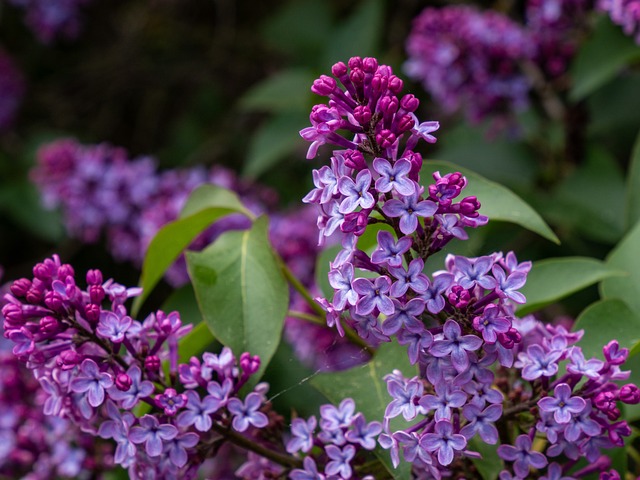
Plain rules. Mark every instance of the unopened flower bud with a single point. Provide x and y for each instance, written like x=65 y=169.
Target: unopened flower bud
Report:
x=53 y=301
x=42 y=272
x=34 y=295
x=369 y=64
x=20 y=287
x=339 y=69
x=69 y=359
x=152 y=363
x=630 y=394
x=409 y=103
x=65 y=271
x=362 y=114
x=123 y=382
x=94 y=277
x=386 y=138
x=96 y=294
x=92 y=312
x=49 y=325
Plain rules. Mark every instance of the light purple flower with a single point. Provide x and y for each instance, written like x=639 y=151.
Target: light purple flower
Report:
x=410 y=278
x=198 y=411
x=404 y=316
x=443 y=401
x=409 y=208
x=356 y=192
x=136 y=391
x=171 y=401
x=417 y=342
x=404 y=394
x=481 y=422
x=443 y=441
x=247 y=413
x=152 y=434
x=363 y=433
x=474 y=271
x=507 y=285
x=492 y=322
x=373 y=295
x=390 y=252
x=562 y=404
x=310 y=471
x=112 y=326
x=394 y=177
x=456 y=345
x=340 y=280
x=340 y=460
x=580 y=366
x=334 y=418
x=538 y=362
x=302 y=435
x=433 y=296
x=176 y=447
x=93 y=381
x=522 y=456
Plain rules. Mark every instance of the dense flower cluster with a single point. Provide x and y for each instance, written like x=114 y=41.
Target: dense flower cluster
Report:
x=625 y=13
x=467 y=58
x=51 y=19
x=11 y=90
x=474 y=356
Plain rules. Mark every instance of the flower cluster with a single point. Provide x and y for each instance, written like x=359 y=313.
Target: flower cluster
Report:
x=11 y=90
x=625 y=13
x=51 y=19
x=479 y=366
x=467 y=58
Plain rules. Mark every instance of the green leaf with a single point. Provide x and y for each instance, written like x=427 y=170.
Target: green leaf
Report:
x=607 y=51
x=241 y=291
x=633 y=186
x=498 y=202
x=625 y=257
x=183 y=300
x=273 y=141
x=556 y=278
x=195 y=342
x=285 y=91
x=606 y=320
x=490 y=464
x=365 y=384
x=206 y=204
x=358 y=35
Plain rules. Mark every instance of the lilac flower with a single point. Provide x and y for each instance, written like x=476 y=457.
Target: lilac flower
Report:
x=198 y=411
x=310 y=471
x=491 y=323
x=417 y=342
x=389 y=252
x=409 y=208
x=562 y=405
x=554 y=472
x=93 y=381
x=152 y=434
x=340 y=459
x=625 y=13
x=507 y=285
x=302 y=435
x=443 y=401
x=582 y=423
x=580 y=366
x=340 y=279
x=394 y=177
x=247 y=413
x=176 y=447
x=480 y=422
x=363 y=433
x=474 y=271
x=405 y=395
x=522 y=455
x=356 y=192
x=443 y=441
x=334 y=418
x=538 y=363
x=170 y=401
x=404 y=316
x=410 y=278
x=456 y=345
x=138 y=389
x=112 y=326
x=373 y=295
x=434 y=295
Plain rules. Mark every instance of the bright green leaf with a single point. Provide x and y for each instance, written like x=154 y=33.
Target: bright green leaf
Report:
x=241 y=291
x=365 y=384
x=633 y=186
x=285 y=91
x=206 y=204
x=490 y=464
x=625 y=257
x=273 y=141
x=498 y=203
x=606 y=320
x=556 y=278
x=183 y=300
x=358 y=35
x=605 y=53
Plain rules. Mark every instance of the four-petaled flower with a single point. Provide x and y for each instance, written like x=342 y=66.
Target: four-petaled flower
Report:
x=443 y=441
x=302 y=432
x=112 y=326
x=356 y=192
x=138 y=389
x=456 y=345
x=93 y=381
x=247 y=413
x=152 y=434
x=522 y=456
x=340 y=460
x=409 y=208
x=389 y=251
x=373 y=295
x=562 y=404
x=394 y=176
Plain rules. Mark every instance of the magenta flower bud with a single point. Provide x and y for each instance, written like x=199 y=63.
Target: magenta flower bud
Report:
x=409 y=103
x=92 y=312
x=416 y=165
x=34 y=295
x=388 y=105
x=379 y=84
x=49 y=325
x=152 y=363
x=339 y=69
x=357 y=76
x=20 y=287
x=509 y=339
x=13 y=313
x=362 y=114
x=459 y=297
x=123 y=382
x=68 y=359
x=606 y=402
x=249 y=364
x=94 y=277
x=630 y=394
x=355 y=62
x=355 y=160
x=405 y=123
x=369 y=64
x=53 y=301
x=42 y=272
x=96 y=294
x=614 y=354
x=65 y=271
x=324 y=85
x=469 y=206
x=395 y=84
x=386 y=138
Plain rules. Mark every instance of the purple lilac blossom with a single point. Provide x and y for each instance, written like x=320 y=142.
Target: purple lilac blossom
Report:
x=625 y=13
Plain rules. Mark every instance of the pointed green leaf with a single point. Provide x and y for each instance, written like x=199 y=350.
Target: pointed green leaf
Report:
x=241 y=291
x=206 y=204
x=490 y=465
x=498 y=202
x=556 y=278
x=285 y=91
x=633 y=186
x=601 y=58
x=195 y=342
x=365 y=384
x=606 y=320
x=625 y=257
